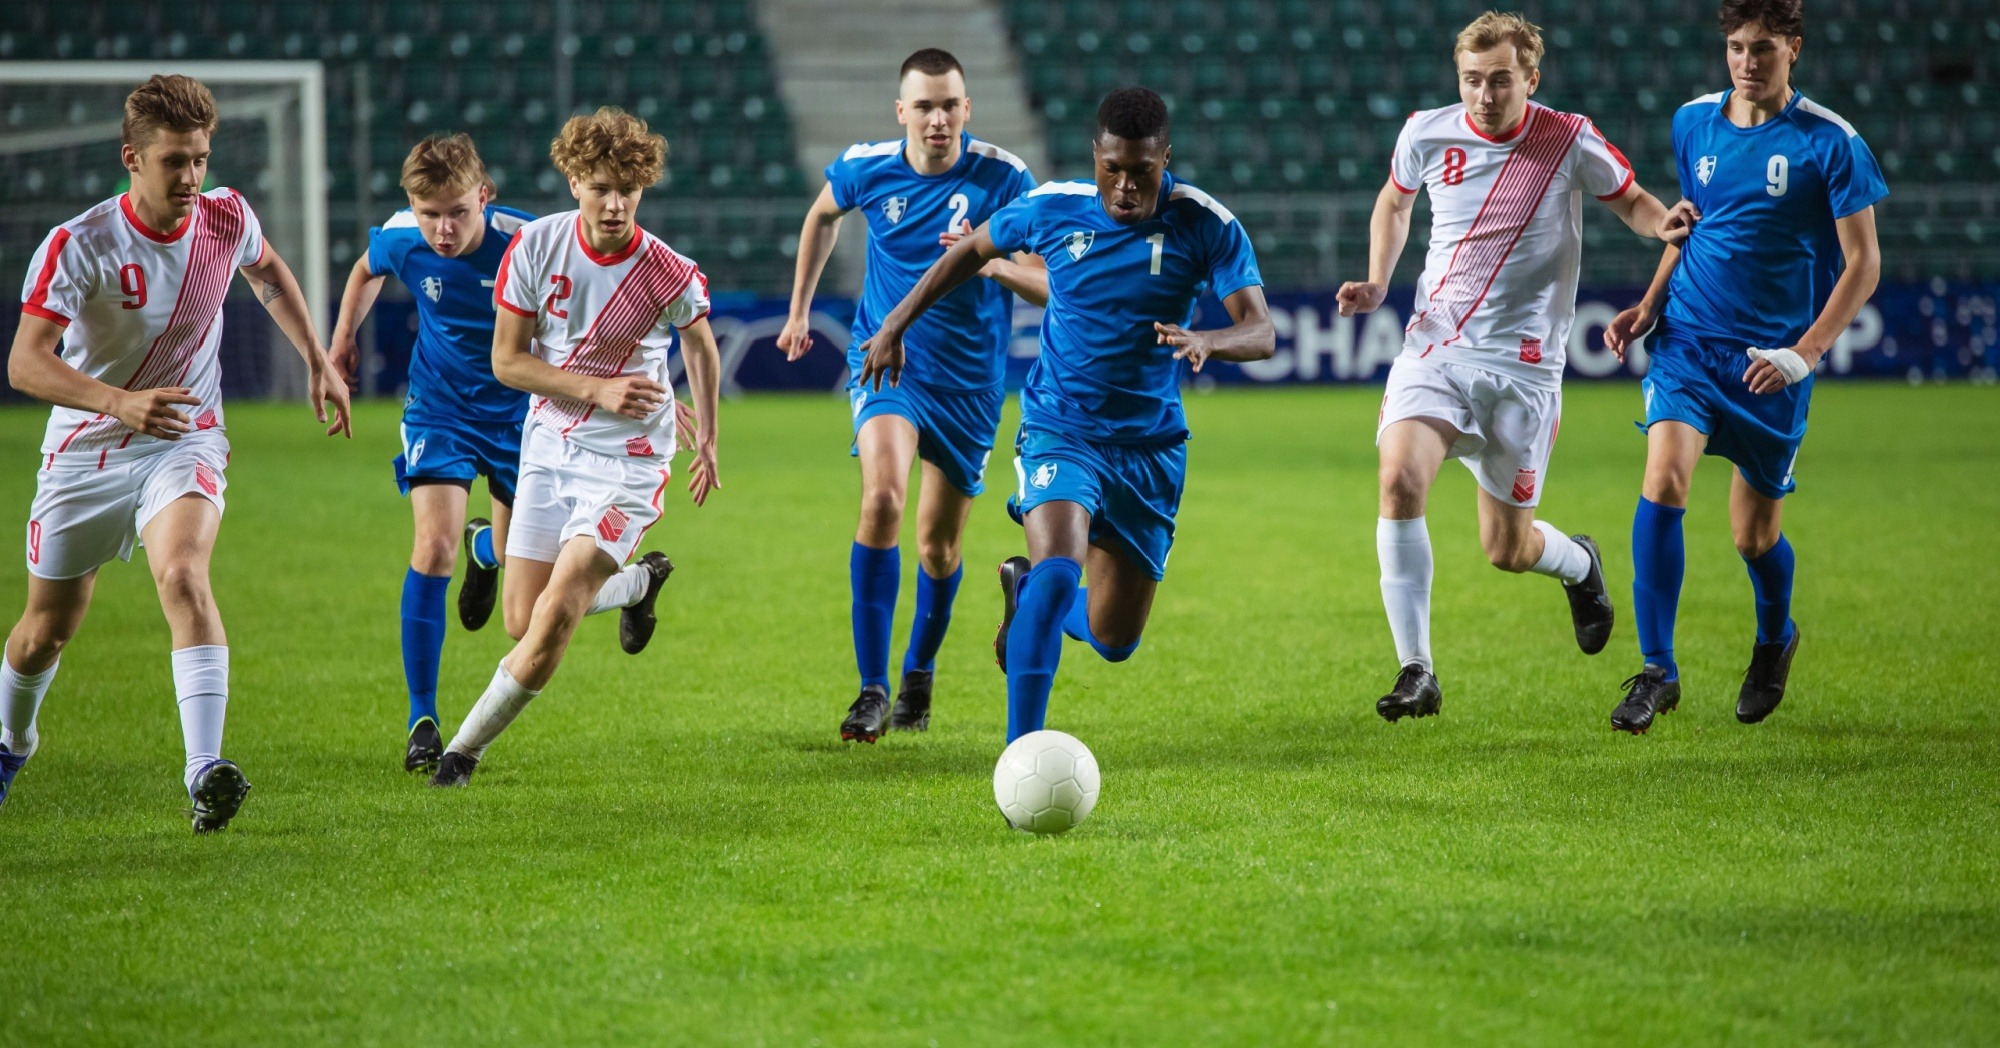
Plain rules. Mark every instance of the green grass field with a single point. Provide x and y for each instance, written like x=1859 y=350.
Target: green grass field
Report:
x=675 y=848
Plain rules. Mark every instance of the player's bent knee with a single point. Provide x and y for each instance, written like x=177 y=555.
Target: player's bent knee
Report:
x=38 y=642
x=434 y=555
x=184 y=585
x=882 y=508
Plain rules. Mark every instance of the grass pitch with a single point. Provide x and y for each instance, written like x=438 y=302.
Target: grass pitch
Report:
x=674 y=848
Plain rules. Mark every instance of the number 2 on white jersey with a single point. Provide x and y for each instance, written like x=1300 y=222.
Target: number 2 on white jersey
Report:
x=1777 y=176
x=960 y=206
x=1159 y=242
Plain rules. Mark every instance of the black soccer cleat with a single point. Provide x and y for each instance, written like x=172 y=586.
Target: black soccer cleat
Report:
x=635 y=623
x=913 y=702
x=1648 y=693
x=865 y=717
x=481 y=585
x=454 y=769
x=1012 y=571
x=218 y=791
x=1764 y=681
x=425 y=747
x=1416 y=694
x=10 y=766
x=1589 y=603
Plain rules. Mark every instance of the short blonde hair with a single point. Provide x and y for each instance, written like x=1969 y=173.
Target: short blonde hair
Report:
x=167 y=103
x=612 y=139
x=443 y=166
x=1494 y=28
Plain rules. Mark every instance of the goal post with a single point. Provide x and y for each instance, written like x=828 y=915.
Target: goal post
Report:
x=59 y=154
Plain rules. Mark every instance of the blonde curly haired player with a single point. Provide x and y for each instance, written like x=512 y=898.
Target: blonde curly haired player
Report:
x=589 y=305
x=121 y=320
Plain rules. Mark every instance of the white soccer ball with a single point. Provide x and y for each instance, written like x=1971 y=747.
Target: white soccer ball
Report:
x=1046 y=782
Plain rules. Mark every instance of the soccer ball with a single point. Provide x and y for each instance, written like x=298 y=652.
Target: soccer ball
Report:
x=1046 y=782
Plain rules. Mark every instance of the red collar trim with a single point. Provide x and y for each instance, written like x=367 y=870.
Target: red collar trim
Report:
x=125 y=205
x=638 y=236
x=1505 y=136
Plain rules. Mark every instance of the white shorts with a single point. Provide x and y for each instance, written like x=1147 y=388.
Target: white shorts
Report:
x=566 y=491
x=1506 y=428
x=82 y=518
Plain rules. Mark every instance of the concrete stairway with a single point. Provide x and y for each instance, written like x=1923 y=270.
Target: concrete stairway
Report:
x=837 y=62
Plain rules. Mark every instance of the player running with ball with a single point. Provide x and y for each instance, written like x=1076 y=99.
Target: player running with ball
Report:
x=1480 y=376
x=1782 y=260
x=1101 y=457
x=589 y=304
x=121 y=320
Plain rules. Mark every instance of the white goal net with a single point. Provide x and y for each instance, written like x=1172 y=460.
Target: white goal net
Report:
x=59 y=139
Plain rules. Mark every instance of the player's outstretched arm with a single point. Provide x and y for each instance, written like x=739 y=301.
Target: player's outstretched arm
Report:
x=34 y=369
x=279 y=291
x=704 y=375
x=1628 y=327
x=816 y=239
x=961 y=262
x=356 y=299
x=1251 y=337
x=516 y=366
x=1773 y=370
x=1026 y=275
x=1388 y=231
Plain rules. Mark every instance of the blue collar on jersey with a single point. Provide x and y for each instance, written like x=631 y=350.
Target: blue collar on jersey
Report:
x=1159 y=206
x=1722 y=112
x=964 y=158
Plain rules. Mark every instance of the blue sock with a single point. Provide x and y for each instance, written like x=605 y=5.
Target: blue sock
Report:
x=1659 y=559
x=482 y=548
x=423 y=640
x=873 y=574
x=934 y=597
x=1034 y=642
x=1076 y=625
x=1771 y=577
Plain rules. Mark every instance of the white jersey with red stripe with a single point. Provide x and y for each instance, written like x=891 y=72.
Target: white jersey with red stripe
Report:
x=1499 y=285
x=602 y=315
x=141 y=310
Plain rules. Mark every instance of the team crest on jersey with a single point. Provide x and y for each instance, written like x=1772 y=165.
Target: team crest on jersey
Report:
x=1078 y=243
x=433 y=287
x=1704 y=169
x=1524 y=485
x=612 y=524
x=1045 y=474
x=894 y=207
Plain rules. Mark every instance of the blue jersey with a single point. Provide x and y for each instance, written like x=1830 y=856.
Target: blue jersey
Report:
x=960 y=344
x=1102 y=375
x=1764 y=257
x=451 y=366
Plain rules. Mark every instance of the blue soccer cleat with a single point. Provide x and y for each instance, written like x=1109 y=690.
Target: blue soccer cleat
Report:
x=11 y=764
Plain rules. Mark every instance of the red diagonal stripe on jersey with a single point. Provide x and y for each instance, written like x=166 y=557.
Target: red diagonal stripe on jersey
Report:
x=1510 y=206
x=38 y=299
x=654 y=281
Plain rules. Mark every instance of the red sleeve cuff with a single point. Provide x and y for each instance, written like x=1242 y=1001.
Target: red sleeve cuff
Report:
x=1400 y=187
x=46 y=314
x=691 y=323
x=1630 y=177
x=263 y=249
x=512 y=308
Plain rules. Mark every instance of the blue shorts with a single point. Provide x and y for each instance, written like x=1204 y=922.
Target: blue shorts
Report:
x=1132 y=492
x=1700 y=382
x=954 y=430
x=457 y=453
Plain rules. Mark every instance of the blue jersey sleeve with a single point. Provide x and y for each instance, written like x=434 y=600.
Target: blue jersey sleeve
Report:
x=1232 y=262
x=1681 y=154
x=1853 y=178
x=382 y=254
x=840 y=178
x=1012 y=227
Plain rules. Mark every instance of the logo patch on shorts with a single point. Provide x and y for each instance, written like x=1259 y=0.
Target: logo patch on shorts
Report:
x=1045 y=474
x=34 y=542
x=612 y=525
x=205 y=478
x=416 y=451
x=1531 y=351
x=639 y=446
x=1524 y=485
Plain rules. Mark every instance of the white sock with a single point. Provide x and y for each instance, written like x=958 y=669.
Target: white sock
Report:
x=1562 y=558
x=503 y=701
x=1404 y=549
x=20 y=699
x=622 y=590
x=201 y=686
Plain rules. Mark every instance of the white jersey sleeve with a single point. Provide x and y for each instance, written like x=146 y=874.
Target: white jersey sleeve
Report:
x=691 y=304
x=251 y=249
x=59 y=279
x=514 y=290
x=1598 y=168
x=1406 y=166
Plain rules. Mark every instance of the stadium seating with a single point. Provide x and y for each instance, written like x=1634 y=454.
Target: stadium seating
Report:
x=698 y=70
x=1277 y=98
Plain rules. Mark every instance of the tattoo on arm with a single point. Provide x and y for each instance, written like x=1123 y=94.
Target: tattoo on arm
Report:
x=269 y=292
